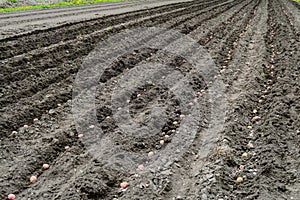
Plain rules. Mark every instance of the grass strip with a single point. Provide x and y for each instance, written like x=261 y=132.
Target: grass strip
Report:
x=61 y=4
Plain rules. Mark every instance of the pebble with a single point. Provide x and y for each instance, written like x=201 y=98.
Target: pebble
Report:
x=251 y=134
x=242 y=167
x=92 y=126
x=250 y=145
x=80 y=135
x=26 y=126
x=67 y=147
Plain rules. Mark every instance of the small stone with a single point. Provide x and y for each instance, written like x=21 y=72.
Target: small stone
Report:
x=162 y=142
x=250 y=145
x=222 y=71
x=92 y=126
x=67 y=147
x=251 y=134
x=242 y=167
x=179 y=198
x=26 y=126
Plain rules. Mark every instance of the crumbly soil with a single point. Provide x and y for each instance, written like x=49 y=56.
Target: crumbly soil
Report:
x=255 y=45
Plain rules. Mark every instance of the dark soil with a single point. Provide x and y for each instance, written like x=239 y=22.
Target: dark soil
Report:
x=255 y=45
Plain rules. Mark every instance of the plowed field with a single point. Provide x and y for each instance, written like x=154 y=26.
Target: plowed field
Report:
x=255 y=45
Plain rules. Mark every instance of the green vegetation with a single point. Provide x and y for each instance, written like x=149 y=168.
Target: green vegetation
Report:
x=70 y=3
x=297 y=1
x=13 y=1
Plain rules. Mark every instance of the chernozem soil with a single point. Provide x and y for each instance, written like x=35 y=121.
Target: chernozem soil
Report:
x=255 y=44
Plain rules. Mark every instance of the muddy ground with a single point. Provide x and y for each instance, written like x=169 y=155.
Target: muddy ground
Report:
x=255 y=46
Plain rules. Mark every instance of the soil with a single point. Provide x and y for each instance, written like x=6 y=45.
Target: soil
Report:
x=20 y=22
x=255 y=46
